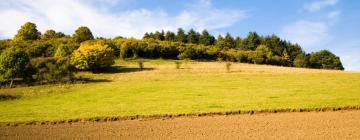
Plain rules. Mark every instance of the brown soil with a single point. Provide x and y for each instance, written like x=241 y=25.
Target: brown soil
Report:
x=291 y=125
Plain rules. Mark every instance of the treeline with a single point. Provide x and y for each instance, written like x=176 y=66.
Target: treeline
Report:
x=33 y=57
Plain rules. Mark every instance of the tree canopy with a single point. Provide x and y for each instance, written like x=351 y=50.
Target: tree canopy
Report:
x=27 y=32
x=52 y=56
x=82 y=34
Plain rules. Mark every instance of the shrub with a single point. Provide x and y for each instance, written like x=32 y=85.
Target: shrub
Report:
x=141 y=64
x=92 y=57
x=178 y=64
x=51 y=69
x=228 y=65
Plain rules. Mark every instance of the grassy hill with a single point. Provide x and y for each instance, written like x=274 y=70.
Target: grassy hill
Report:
x=197 y=87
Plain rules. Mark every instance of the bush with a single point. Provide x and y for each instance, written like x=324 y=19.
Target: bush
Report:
x=92 y=57
x=50 y=69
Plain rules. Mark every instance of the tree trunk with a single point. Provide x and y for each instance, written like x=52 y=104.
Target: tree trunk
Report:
x=11 y=83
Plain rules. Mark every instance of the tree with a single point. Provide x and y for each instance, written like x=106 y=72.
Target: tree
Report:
x=301 y=60
x=266 y=51
x=63 y=51
x=206 y=38
x=92 y=56
x=220 y=42
x=170 y=36
x=27 y=32
x=325 y=59
x=181 y=36
x=146 y=36
x=159 y=36
x=13 y=63
x=251 y=41
x=51 y=34
x=193 y=37
x=229 y=41
x=286 y=58
x=82 y=34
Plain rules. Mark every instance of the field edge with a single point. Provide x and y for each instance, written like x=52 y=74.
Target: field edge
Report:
x=168 y=116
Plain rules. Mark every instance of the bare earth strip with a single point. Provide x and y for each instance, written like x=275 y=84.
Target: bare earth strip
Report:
x=291 y=125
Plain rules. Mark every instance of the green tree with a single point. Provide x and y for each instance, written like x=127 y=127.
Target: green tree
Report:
x=82 y=34
x=159 y=35
x=170 y=36
x=229 y=41
x=27 y=32
x=301 y=60
x=146 y=36
x=181 y=36
x=51 y=34
x=286 y=58
x=13 y=63
x=266 y=51
x=206 y=38
x=325 y=59
x=251 y=41
x=193 y=37
x=220 y=42
x=63 y=51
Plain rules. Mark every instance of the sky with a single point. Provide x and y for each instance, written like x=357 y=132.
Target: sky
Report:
x=313 y=24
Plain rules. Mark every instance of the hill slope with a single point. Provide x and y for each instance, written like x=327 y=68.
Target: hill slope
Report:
x=196 y=87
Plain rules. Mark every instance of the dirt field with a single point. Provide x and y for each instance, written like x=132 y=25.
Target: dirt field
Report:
x=295 y=125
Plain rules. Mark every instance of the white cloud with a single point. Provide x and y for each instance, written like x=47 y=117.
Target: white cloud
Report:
x=67 y=15
x=319 y=4
x=308 y=34
x=334 y=14
x=348 y=50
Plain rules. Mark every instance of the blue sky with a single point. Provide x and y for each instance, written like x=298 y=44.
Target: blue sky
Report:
x=314 y=24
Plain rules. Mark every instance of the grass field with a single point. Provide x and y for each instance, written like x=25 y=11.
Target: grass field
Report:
x=196 y=87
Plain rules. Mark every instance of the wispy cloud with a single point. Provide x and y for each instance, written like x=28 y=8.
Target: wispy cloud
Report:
x=319 y=4
x=67 y=15
x=309 y=34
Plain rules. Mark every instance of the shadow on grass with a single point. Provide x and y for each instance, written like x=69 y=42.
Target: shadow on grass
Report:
x=119 y=69
x=4 y=97
x=89 y=80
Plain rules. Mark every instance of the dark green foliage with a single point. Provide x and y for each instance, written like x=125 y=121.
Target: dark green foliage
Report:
x=193 y=37
x=82 y=34
x=46 y=53
x=13 y=64
x=229 y=42
x=250 y=42
x=181 y=36
x=146 y=36
x=50 y=69
x=301 y=60
x=63 y=51
x=170 y=36
x=324 y=59
x=51 y=34
x=206 y=39
x=27 y=32
x=159 y=35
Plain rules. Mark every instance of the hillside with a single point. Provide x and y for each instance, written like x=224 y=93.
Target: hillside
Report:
x=196 y=87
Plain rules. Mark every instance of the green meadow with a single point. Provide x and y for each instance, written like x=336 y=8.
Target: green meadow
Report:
x=161 y=88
